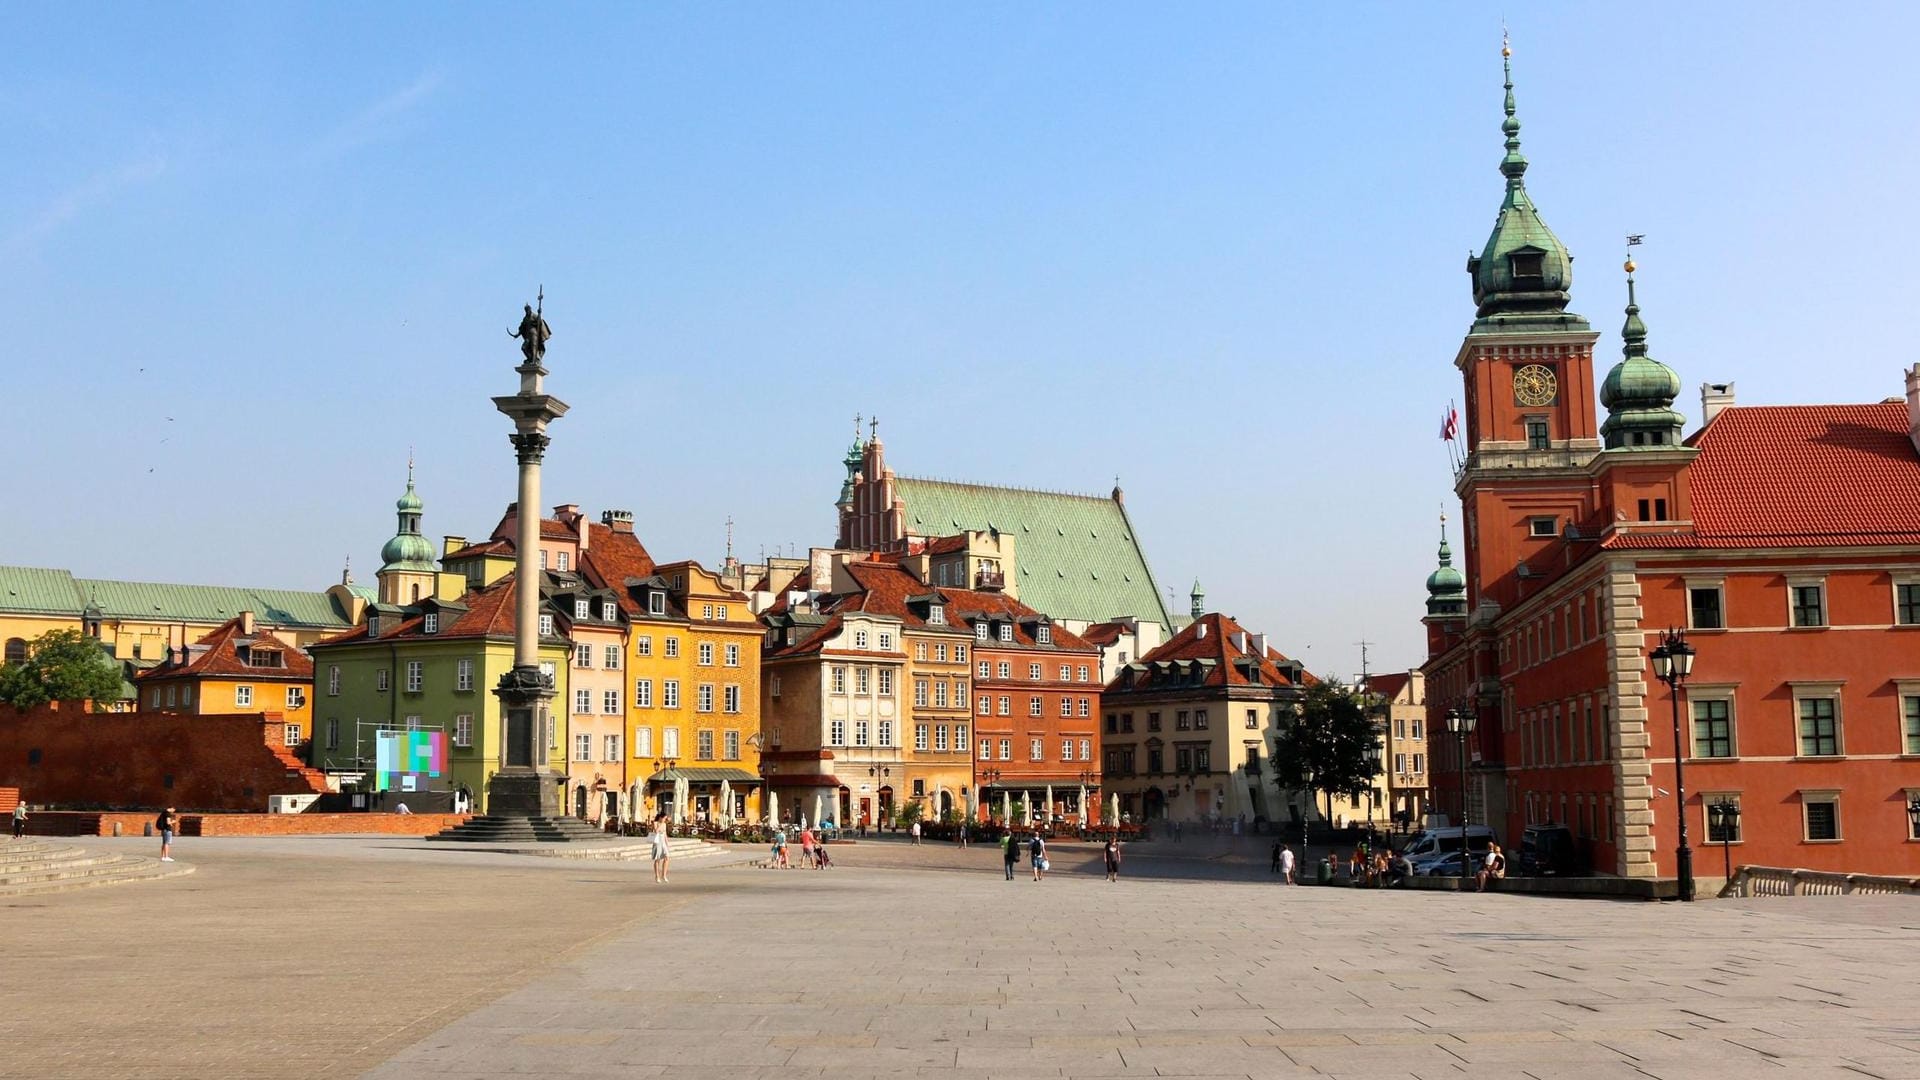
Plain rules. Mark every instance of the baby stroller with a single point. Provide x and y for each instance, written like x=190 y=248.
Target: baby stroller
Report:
x=821 y=860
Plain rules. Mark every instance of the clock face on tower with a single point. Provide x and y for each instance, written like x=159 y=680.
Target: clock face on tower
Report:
x=1534 y=385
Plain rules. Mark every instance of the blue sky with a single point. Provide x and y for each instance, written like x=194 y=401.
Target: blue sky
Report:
x=256 y=252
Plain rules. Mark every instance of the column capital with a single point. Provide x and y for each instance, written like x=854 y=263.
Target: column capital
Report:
x=529 y=446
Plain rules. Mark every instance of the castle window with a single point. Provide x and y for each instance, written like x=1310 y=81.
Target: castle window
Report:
x=1540 y=527
x=1537 y=435
x=1529 y=269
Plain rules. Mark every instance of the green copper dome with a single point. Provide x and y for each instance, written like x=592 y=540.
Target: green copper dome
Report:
x=408 y=550
x=1446 y=587
x=1524 y=269
x=1639 y=392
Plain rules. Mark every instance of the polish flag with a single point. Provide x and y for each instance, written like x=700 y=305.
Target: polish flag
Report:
x=1450 y=427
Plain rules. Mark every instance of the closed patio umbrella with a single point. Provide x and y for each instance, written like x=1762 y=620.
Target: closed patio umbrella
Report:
x=1046 y=812
x=773 y=808
x=1113 y=809
x=1026 y=807
x=819 y=803
x=726 y=803
x=681 y=794
x=1085 y=818
x=1006 y=807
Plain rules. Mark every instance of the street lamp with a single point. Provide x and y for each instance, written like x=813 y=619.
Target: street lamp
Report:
x=1725 y=816
x=1672 y=663
x=1461 y=721
x=1913 y=817
x=879 y=774
x=1374 y=755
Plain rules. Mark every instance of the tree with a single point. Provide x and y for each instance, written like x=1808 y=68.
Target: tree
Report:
x=1324 y=749
x=61 y=665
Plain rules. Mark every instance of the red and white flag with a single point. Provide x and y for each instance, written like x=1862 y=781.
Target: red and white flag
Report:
x=1450 y=427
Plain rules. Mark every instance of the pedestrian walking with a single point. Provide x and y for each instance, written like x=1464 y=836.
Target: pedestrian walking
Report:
x=19 y=820
x=1273 y=866
x=809 y=848
x=165 y=824
x=1037 y=851
x=963 y=834
x=915 y=831
x=658 y=840
x=1286 y=865
x=1113 y=858
x=1010 y=852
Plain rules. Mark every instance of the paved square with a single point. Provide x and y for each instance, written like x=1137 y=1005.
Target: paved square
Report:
x=924 y=962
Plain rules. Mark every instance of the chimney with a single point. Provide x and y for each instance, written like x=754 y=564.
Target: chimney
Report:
x=246 y=624
x=1260 y=645
x=1240 y=640
x=620 y=521
x=1714 y=397
x=1199 y=631
x=452 y=544
x=1913 y=405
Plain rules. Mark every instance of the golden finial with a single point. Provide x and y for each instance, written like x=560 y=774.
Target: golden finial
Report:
x=1506 y=43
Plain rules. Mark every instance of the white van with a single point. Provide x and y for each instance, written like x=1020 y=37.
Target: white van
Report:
x=1432 y=843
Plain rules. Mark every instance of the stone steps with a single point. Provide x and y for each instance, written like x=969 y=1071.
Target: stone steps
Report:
x=28 y=868
x=490 y=829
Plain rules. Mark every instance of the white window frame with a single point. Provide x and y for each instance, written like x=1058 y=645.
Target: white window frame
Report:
x=885 y=687
x=980 y=631
x=703 y=698
x=670 y=742
x=837 y=678
x=1036 y=749
x=732 y=654
x=936 y=615
x=670 y=693
x=546 y=626
x=610 y=702
x=296 y=697
x=656 y=602
x=611 y=659
x=583 y=747
x=333 y=680
x=1795 y=582
x=1035 y=707
x=643 y=645
x=1809 y=796
x=610 y=748
x=643 y=693
x=883 y=733
x=886 y=641
x=1717 y=584
x=1006 y=631
x=730 y=697
x=609 y=611
x=705 y=654
x=1705 y=692
x=920 y=693
x=1006 y=749
x=582 y=700
x=863 y=680
x=463 y=729
x=463 y=674
x=860 y=639
x=643 y=742
x=243 y=696
x=430 y=622
x=583 y=656
x=836 y=732
x=1816 y=691
x=416 y=676
x=673 y=648
x=582 y=608
x=920 y=738
x=986 y=749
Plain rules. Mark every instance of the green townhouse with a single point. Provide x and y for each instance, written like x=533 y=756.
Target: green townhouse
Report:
x=431 y=665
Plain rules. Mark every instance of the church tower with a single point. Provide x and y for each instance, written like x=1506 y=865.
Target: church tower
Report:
x=407 y=565
x=1527 y=365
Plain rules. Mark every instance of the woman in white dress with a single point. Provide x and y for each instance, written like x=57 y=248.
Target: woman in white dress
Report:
x=659 y=840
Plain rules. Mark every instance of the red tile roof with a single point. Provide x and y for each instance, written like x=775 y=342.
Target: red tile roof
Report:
x=884 y=591
x=1800 y=475
x=613 y=557
x=1389 y=685
x=490 y=547
x=963 y=603
x=1211 y=637
x=1103 y=634
x=217 y=653
x=489 y=614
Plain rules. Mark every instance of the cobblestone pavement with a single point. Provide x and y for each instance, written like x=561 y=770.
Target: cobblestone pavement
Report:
x=303 y=957
x=862 y=972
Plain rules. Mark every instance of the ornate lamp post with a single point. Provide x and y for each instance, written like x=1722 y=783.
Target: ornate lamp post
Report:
x=1913 y=816
x=1672 y=663
x=879 y=773
x=1461 y=721
x=1374 y=756
x=1725 y=816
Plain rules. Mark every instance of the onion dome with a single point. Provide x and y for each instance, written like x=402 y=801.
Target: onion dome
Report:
x=408 y=550
x=1524 y=269
x=1446 y=586
x=1639 y=392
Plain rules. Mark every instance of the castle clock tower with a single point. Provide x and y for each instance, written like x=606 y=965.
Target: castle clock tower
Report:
x=1527 y=364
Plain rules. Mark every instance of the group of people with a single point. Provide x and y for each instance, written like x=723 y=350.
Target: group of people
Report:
x=813 y=851
x=1035 y=846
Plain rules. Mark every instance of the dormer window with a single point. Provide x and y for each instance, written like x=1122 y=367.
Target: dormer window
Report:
x=606 y=611
x=1006 y=631
x=373 y=625
x=1044 y=635
x=562 y=560
x=980 y=631
x=656 y=602
x=580 y=608
x=546 y=626
x=430 y=623
x=1529 y=269
x=936 y=615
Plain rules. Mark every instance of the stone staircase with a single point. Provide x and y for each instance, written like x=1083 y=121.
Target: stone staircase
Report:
x=28 y=867
x=682 y=851
x=492 y=829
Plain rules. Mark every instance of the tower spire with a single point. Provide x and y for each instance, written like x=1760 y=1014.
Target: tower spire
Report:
x=1639 y=392
x=1514 y=165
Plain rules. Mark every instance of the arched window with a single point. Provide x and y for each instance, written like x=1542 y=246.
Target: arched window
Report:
x=416 y=594
x=16 y=650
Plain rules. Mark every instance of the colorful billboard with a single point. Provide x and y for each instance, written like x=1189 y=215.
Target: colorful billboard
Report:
x=407 y=760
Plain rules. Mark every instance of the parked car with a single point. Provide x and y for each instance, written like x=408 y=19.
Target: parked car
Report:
x=1446 y=864
x=1549 y=849
x=1438 y=841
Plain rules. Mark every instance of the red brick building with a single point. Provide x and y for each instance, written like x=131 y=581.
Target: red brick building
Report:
x=1784 y=540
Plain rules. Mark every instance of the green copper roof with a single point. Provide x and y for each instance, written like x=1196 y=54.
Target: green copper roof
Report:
x=408 y=550
x=58 y=592
x=1077 y=555
x=1446 y=587
x=1639 y=392
x=1524 y=270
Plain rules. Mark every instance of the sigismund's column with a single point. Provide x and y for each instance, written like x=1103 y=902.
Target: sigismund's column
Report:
x=524 y=786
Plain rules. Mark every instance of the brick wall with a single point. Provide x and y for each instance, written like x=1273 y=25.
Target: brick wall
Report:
x=87 y=823
x=65 y=756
